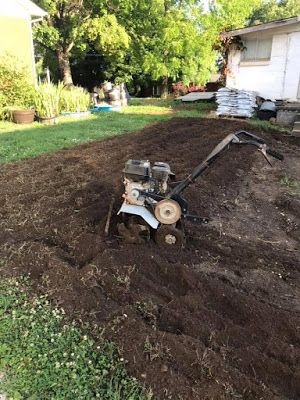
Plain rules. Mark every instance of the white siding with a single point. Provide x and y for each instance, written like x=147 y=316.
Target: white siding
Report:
x=292 y=75
x=277 y=78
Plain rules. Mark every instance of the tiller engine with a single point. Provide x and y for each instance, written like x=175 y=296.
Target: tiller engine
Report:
x=153 y=205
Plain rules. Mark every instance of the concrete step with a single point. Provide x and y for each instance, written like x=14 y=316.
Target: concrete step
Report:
x=296 y=129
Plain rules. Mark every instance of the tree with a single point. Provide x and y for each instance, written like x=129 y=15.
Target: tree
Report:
x=226 y=15
x=167 y=40
x=70 y=25
x=178 y=40
x=61 y=31
x=161 y=39
x=272 y=9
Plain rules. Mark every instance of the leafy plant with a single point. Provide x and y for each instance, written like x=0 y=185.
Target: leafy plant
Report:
x=289 y=182
x=47 y=100
x=16 y=88
x=43 y=357
x=74 y=99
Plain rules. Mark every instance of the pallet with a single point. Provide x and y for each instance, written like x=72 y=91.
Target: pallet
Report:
x=232 y=116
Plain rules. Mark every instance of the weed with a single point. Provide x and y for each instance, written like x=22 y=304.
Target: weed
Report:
x=155 y=351
x=202 y=361
x=230 y=391
x=124 y=278
x=43 y=358
x=289 y=182
x=148 y=311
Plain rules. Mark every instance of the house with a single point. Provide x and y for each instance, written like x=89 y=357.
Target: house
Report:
x=16 y=19
x=269 y=62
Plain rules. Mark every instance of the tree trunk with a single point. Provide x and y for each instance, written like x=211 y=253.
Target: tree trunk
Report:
x=64 y=67
x=164 y=88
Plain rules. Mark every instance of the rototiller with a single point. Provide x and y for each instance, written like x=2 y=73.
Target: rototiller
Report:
x=153 y=205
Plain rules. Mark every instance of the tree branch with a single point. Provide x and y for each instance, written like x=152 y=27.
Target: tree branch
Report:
x=45 y=47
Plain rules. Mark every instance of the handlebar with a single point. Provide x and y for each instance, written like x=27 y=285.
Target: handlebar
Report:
x=274 y=154
x=240 y=137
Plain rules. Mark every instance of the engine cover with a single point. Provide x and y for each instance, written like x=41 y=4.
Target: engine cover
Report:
x=132 y=191
x=139 y=176
x=137 y=170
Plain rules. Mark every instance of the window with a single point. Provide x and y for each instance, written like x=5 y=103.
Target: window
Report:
x=257 y=49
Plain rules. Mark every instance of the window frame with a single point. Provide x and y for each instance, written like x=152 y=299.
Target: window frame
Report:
x=256 y=59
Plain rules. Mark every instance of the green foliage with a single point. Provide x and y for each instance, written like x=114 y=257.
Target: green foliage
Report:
x=179 y=49
x=63 y=26
x=266 y=125
x=109 y=37
x=71 y=26
x=74 y=99
x=161 y=39
x=289 y=182
x=230 y=14
x=42 y=358
x=167 y=40
x=178 y=40
x=47 y=100
x=16 y=89
x=270 y=10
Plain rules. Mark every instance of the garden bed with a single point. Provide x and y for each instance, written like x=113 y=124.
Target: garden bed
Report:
x=219 y=320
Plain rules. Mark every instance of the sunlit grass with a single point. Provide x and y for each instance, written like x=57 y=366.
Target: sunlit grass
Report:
x=266 y=125
x=22 y=141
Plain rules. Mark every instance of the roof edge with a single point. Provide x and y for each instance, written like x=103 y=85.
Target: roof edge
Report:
x=263 y=26
x=32 y=9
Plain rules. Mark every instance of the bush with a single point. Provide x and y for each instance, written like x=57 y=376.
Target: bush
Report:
x=47 y=99
x=74 y=99
x=16 y=89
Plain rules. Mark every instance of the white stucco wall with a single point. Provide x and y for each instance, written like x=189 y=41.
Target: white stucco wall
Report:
x=277 y=78
x=16 y=31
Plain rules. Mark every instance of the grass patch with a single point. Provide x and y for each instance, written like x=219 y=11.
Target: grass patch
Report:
x=266 y=125
x=41 y=357
x=171 y=106
x=18 y=142
x=22 y=141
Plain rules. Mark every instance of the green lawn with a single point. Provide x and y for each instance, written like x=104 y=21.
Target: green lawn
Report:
x=22 y=141
x=42 y=356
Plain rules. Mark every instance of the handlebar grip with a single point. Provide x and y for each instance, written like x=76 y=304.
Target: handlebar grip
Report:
x=274 y=154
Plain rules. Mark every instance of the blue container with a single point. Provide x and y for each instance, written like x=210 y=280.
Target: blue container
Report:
x=101 y=108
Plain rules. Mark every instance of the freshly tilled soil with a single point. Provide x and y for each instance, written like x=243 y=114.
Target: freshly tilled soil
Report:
x=219 y=319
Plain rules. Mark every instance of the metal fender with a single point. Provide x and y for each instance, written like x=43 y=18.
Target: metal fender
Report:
x=142 y=212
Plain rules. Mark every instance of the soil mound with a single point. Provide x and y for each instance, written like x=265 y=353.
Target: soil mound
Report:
x=220 y=319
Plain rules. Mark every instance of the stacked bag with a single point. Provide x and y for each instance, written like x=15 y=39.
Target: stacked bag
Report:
x=236 y=103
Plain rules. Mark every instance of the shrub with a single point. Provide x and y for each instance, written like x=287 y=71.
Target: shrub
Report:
x=47 y=100
x=16 y=88
x=74 y=99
